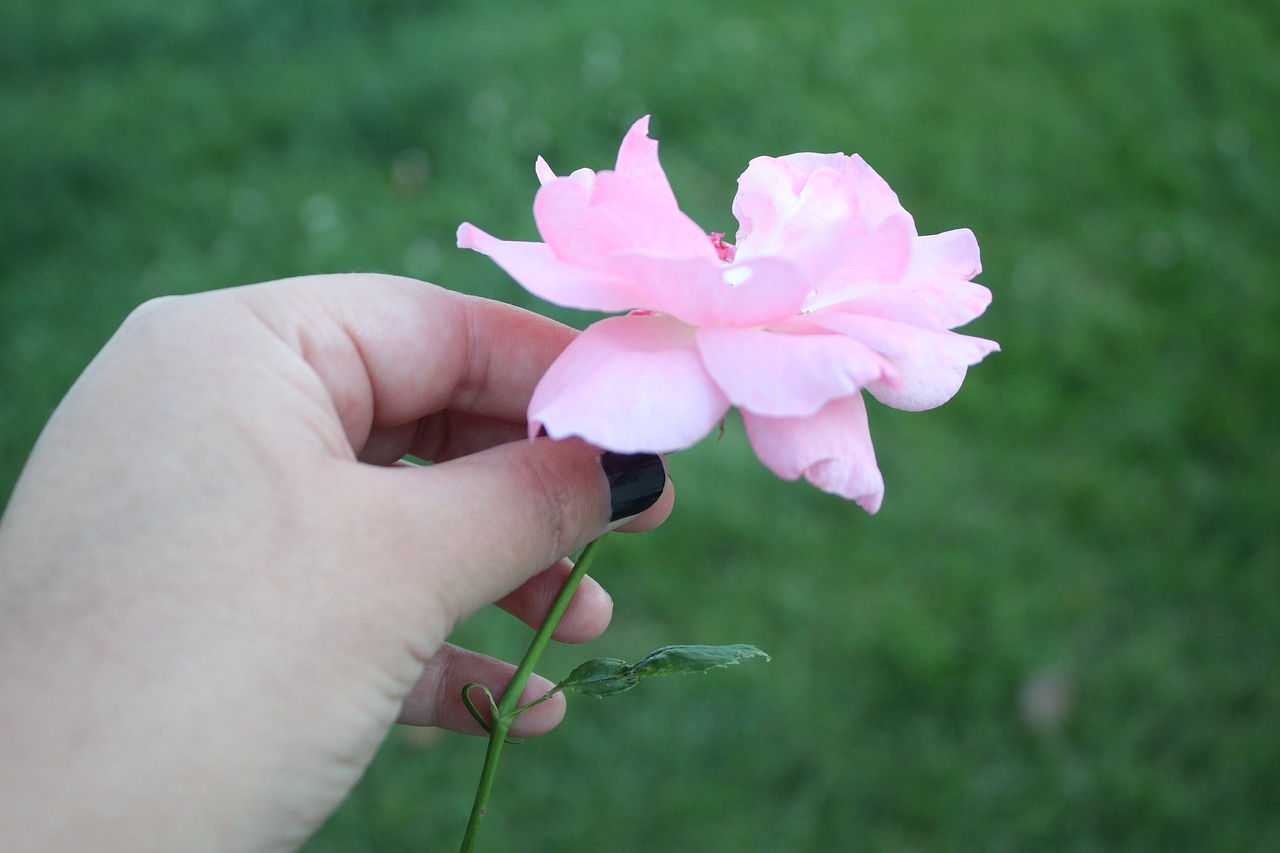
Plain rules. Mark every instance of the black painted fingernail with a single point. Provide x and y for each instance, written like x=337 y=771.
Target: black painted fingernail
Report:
x=636 y=482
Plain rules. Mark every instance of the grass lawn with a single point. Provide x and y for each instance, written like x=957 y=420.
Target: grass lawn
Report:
x=1061 y=631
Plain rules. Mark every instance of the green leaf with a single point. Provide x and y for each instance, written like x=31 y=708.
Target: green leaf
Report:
x=599 y=677
x=609 y=676
x=683 y=660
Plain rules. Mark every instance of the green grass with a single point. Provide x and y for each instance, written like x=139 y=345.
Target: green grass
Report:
x=1091 y=521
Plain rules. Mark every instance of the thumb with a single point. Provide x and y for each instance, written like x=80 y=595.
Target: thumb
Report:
x=474 y=528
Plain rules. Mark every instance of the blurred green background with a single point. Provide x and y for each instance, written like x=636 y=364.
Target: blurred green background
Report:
x=1061 y=631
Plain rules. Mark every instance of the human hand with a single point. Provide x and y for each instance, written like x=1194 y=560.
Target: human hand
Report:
x=218 y=587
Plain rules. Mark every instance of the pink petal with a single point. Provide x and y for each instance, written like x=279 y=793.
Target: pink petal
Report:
x=831 y=449
x=543 y=171
x=766 y=191
x=702 y=292
x=629 y=384
x=940 y=304
x=811 y=230
x=807 y=209
x=906 y=342
x=588 y=224
x=871 y=258
x=540 y=272
x=571 y=228
x=771 y=187
x=876 y=200
x=917 y=387
x=638 y=161
x=951 y=254
x=787 y=374
x=935 y=291
x=587 y=217
x=649 y=221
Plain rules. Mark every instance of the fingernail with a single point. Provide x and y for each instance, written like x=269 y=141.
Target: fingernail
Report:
x=636 y=482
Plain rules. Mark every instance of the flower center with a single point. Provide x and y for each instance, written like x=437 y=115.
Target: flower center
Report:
x=724 y=250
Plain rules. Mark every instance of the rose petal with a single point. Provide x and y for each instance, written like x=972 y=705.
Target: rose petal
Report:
x=766 y=191
x=638 y=161
x=790 y=373
x=831 y=449
x=540 y=272
x=871 y=258
x=935 y=291
x=647 y=221
x=951 y=254
x=906 y=342
x=543 y=171
x=937 y=305
x=917 y=387
x=587 y=225
x=876 y=200
x=811 y=231
x=630 y=384
x=589 y=216
x=702 y=292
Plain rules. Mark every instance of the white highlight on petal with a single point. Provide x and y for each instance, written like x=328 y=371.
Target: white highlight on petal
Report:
x=735 y=276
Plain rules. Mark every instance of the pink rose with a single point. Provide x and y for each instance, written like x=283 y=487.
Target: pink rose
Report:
x=828 y=290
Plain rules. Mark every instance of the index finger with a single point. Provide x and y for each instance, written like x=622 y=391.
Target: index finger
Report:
x=391 y=350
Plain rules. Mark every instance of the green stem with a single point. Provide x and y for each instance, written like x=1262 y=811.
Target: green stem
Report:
x=509 y=705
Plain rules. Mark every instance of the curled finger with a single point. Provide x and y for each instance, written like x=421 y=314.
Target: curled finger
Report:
x=589 y=610
x=436 y=698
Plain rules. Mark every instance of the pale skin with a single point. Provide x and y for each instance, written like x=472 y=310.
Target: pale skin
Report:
x=219 y=587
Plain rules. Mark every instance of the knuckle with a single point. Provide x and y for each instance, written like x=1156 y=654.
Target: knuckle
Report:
x=155 y=313
x=174 y=321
